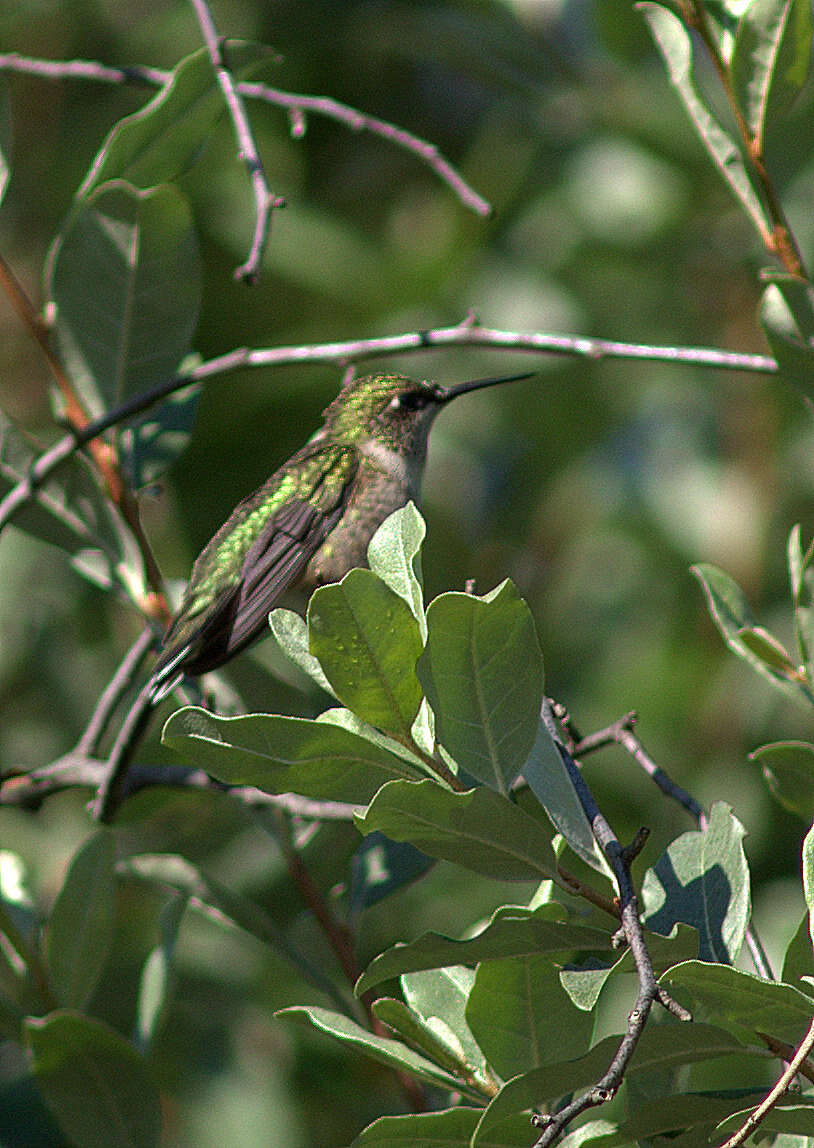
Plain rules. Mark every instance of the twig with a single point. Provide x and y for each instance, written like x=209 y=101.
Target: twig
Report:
x=295 y=104
x=113 y=693
x=619 y=859
x=754 y=1119
x=467 y=333
x=265 y=201
x=111 y=790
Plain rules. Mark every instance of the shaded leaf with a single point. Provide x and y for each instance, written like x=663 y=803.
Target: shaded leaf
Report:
x=382 y=867
x=792 y=1115
x=788 y=767
x=702 y=879
x=158 y=142
x=801 y=577
x=787 y=318
x=547 y=778
x=660 y=1047
x=512 y=932
x=798 y=960
x=770 y=61
x=156 y=975
x=730 y=612
x=675 y=45
x=367 y=641
x=95 y=1083
x=387 y=1051
x=482 y=672
x=479 y=829
x=80 y=930
x=125 y=281
x=449 y=1129
x=285 y=755
x=522 y=1017
x=735 y=997
x=152 y=444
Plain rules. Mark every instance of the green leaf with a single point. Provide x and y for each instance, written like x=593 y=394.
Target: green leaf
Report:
x=156 y=975
x=522 y=1017
x=702 y=879
x=125 y=281
x=152 y=444
x=734 y=997
x=512 y=932
x=416 y=1032
x=787 y=318
x=808 y=878
x=660 y=1047
x=479 y=829
x=162 y=139
x=439 y=997
x=801 y=577
x=452 y=1128
x=547 y=778
x=291 y=633
x=95 y=1083
x=770 y=651
x=770 y=61
x=482 y=672
x=386 y=1051
x=69 y=510
x=675 y=45
x=367 y=641
x=80 y=930
x=798 y=960
x=788 y=767
x=730 y=612
x=285 y=755
x=5 y=143
x=690 y=1113
x=381 y=867
x=792 y=1115
x=192 y=882
x=394 y=553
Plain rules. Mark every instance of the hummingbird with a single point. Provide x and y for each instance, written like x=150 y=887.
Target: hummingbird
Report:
x=310 y=522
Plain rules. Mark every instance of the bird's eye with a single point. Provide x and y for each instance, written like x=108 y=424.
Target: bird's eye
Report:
x=410 y=401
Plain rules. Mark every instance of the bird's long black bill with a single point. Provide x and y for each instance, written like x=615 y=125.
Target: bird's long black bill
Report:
x=447 y=393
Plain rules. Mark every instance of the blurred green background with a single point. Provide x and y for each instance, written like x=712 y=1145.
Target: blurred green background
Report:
x=594 y=486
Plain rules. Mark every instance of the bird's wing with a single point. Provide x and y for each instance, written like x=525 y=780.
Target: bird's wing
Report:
x=203 y=639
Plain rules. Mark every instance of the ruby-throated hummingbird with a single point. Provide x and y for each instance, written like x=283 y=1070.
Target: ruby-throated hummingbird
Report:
x=310 y=523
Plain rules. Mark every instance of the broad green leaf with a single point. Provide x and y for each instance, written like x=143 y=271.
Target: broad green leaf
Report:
x=80 y=930
x=367 y=641
x=95 y=1083
x=788 y=767
x=798 y=960
x=584 y=984
x=69 y=510
x=152 y=444
x=702 y=879
x=792 y=1115
x=390 y=1052
x=415 y=1031
x=219 y=901
x=291 y=633
x=482 y=672
x=547 y=778
x=158 y=142
x=452 y=1128
x=439 y=997
x=675 y=45
x=787 y=318
x=156 y=975
x=394 y=554
x=801 y=577
x=771 y=60
x=511 y=932
x=770 y=651
x=665 y=1046
x=480 y=829
x=808 y=878
x=347 y=719
x=687 y=1113
x=730 y=612
x=734 y=997
x=285 y=755
x=522 y=1017
x=125 y=282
